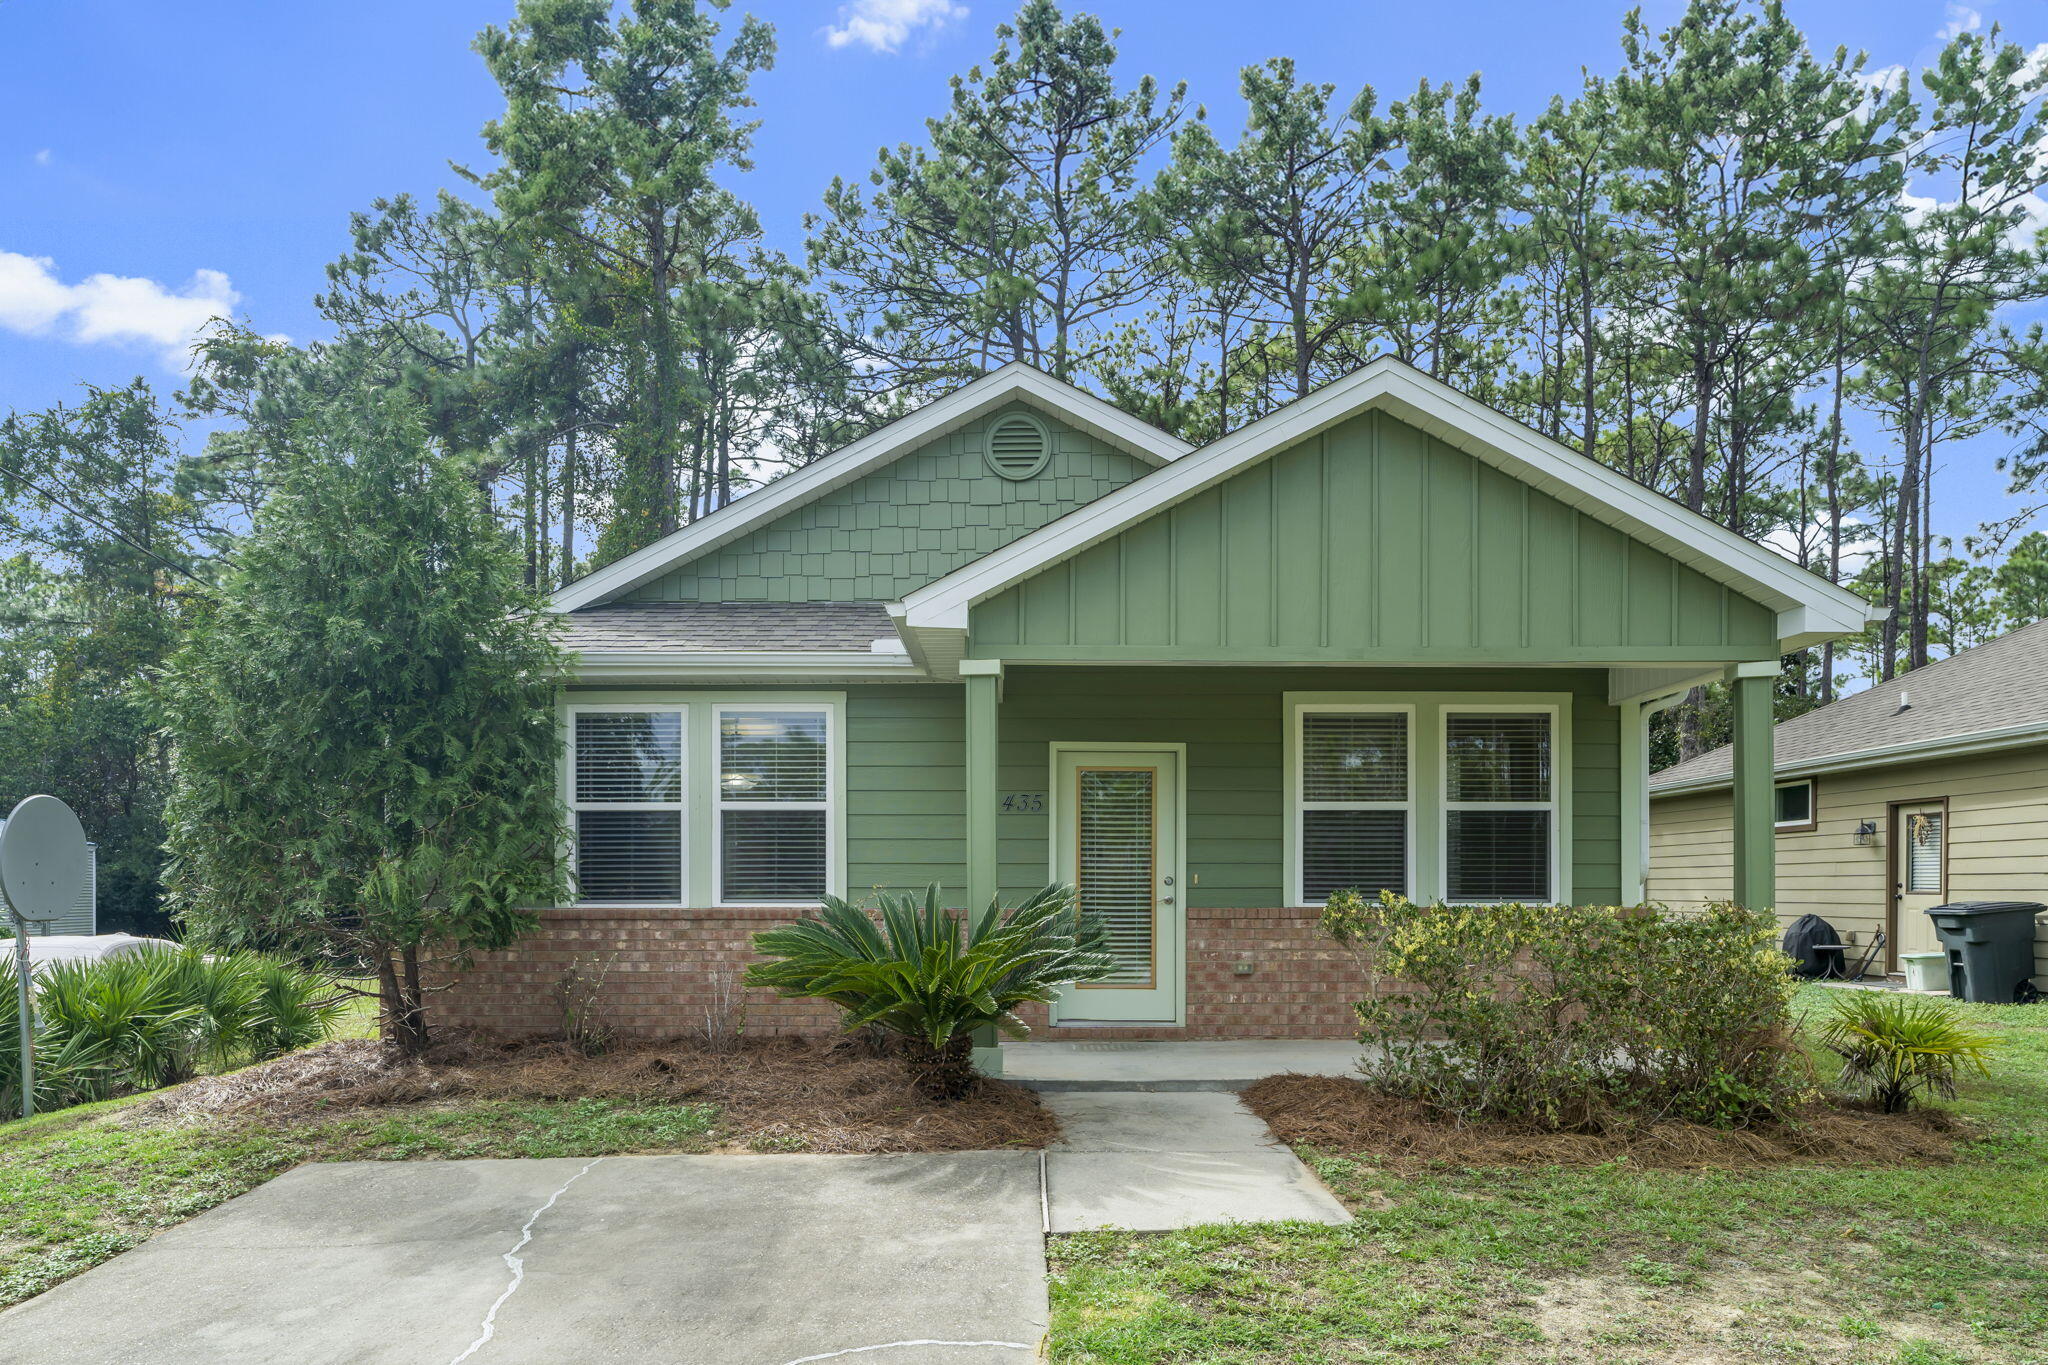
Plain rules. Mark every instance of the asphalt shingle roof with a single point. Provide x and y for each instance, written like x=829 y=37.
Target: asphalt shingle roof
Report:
x=1995 y=686
x=726 y=626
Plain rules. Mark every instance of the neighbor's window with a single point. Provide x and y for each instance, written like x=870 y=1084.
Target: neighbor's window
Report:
x=1355 y=802
x=627 y=800
x=1795 y=804
x=773 y=803
x=1500 y=802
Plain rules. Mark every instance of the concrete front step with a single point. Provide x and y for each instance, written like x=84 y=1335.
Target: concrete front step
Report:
x=1169 y=1067
x=1146 y=1161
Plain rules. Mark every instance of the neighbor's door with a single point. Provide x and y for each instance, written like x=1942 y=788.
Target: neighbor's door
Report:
x=1919 y=873
x=1115 y=841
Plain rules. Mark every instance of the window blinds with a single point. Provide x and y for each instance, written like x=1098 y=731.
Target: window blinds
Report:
x=628 y=805
x=773 y=797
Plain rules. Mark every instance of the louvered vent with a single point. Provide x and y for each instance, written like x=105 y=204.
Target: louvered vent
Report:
x=1018 y=446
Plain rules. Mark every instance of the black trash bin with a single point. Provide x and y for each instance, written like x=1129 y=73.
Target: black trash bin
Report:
x=1990 y=948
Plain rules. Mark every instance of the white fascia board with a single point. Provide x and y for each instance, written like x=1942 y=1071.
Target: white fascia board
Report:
x=712 y=665
x=1914 y=751
x=1413 y=397
x=1012 y=382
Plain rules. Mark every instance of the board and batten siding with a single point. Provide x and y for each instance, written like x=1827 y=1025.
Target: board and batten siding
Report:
x=1997 y=832
x=1372 y=538
x=899 y=527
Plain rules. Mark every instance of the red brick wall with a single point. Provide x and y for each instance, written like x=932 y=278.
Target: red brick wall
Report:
x=666 y=968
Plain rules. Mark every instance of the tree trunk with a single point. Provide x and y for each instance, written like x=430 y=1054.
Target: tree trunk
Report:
x=404 y=1013
x=569 y=508
x=942 y=1073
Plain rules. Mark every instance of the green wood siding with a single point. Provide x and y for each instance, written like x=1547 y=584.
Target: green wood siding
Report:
x=906 y=823
x=1231 y=720
x=900 y=527
x=1371 y=539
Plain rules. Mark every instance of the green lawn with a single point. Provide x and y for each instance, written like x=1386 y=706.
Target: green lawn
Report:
x=1920 y=1266
x=81 y=1185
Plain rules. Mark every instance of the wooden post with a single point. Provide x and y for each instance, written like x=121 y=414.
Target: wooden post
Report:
x=1756 y=838
x=983 y=678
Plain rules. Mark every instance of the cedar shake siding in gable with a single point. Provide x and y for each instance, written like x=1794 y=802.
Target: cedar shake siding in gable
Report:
x=902 y=526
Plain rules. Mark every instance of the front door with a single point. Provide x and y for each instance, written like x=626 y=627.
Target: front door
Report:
x=1919 y=873
x=1115 y=840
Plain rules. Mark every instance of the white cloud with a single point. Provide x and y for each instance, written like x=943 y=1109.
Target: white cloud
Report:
x=884 y=25
x=42 y=157
x=118 y=309
x=1961 y=19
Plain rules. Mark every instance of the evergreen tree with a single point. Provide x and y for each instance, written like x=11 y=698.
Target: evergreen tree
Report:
x=362 y=719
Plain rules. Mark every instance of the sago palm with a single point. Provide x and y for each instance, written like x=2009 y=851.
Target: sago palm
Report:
x=930 y=974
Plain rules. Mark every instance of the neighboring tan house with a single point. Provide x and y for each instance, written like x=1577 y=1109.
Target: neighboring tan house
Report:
x=1383 y=637
x=1932 y=787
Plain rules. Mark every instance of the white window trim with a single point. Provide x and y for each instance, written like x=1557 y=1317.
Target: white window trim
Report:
x=1559 y=765
x=700 y=764
x=834 y=804
x=682 y=807
x=1802 y=824
x=1297 y=777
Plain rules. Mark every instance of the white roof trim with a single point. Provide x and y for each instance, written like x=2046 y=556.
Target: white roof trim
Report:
x=1809 y=608
x=1012 y=382
x=1912 y=751
x=630 y=665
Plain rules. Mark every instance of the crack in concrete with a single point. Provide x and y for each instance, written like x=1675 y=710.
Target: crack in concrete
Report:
x=517 y=1264
x=919 y=1341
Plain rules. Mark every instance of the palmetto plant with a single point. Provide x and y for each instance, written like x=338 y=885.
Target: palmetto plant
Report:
x=135 y=1007
x=1894 y=1047
x=931 y=975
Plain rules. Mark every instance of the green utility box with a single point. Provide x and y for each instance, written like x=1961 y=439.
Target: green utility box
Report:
x=1990 y=949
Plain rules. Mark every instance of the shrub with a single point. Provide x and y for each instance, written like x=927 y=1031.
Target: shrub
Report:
x=1894 y=1047
x=158 y=1016
x=917 y=975
x=1570 y=1016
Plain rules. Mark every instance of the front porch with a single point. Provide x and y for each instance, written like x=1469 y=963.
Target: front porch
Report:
x=1205 y=813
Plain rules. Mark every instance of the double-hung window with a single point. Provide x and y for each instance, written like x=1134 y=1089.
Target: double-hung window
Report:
x=1500 y=804
x=1355 y=800
x=627 y=795
x=772 y=803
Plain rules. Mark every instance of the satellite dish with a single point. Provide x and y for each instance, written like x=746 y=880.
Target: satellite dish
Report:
x=43 y=858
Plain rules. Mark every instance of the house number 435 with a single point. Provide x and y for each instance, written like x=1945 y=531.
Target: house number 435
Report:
x=1024 y=803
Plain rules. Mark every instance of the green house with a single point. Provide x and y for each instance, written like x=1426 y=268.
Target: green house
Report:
x=1385 y=637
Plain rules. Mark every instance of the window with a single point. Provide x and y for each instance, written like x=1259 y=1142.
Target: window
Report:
x=1923 y=852
x=1795 y=805
x=1499 y=805
x=772 y=807
x=627 y=798
x=1355 y=800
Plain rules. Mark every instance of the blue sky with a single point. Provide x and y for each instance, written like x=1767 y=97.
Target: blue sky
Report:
x=172 y=160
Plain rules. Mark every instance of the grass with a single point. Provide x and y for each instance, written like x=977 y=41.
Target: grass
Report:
x=81 y=1185
x=1934 y=1265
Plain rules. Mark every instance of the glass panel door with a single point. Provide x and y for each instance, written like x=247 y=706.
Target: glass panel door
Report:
x=1919 y=873
x=1114 y=832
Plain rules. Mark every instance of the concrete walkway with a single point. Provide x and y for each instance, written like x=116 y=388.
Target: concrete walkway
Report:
x=683 y=1260
x=1229 y=1064
x=1146 y=1161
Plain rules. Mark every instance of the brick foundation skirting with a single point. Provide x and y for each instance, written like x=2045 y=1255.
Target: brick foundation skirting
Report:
x=665 y=971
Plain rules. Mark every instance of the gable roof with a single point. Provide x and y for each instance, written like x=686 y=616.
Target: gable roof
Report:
x=1013 y=382
x=1809 y=609
x=1994 y=696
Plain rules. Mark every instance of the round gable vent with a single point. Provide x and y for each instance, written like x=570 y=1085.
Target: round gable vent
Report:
x=1018 y=446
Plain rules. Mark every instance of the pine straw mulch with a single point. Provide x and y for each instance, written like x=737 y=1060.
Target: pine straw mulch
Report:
x=1344 y=1116
x=787 y=1094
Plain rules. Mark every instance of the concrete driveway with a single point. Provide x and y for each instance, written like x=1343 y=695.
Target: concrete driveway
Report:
x=714 y=1260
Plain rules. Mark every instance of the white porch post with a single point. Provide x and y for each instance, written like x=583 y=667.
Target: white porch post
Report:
x=983 y=679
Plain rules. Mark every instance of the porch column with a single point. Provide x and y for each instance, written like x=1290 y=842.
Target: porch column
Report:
x=984 y=678
x=1756 y=840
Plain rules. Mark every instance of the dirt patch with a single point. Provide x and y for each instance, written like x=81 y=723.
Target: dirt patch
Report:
x=795 y=1094
x=1342 y=1115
